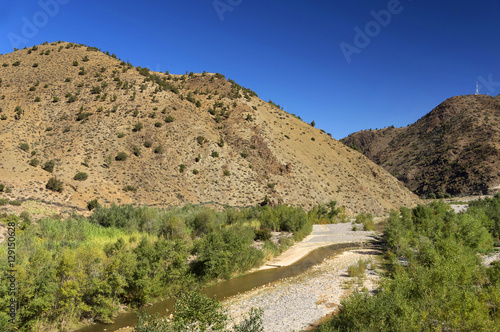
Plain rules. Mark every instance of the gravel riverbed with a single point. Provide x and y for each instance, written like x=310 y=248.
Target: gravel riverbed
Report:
x=298 y=302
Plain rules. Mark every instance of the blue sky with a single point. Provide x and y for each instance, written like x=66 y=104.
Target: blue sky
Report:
x=290 y=51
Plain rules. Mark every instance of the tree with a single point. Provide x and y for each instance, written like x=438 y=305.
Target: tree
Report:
x=313 y=123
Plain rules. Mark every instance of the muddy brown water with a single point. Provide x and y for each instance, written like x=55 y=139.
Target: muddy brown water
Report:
x=234 y=286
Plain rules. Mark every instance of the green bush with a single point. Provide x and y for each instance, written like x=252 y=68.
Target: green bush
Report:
x=262 y=234
x=182 y=167
x=2 y=187
x=34 y=162
x=80 y=176
x=158 y=150
x=148 y=144
x=55 y=185
x=15 y=203
x=138 y=127
x=201 y=140
x=226 y=172
x=24 y=146
x=93 y=204
x=195 y=171
x=49 y=166
x=121 y=156
x=215 y=154
x=4 y=201
x=366 y=220
x=130 y=188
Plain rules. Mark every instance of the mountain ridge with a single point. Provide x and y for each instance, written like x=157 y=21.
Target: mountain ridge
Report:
x=454 y=149
x=185 y=139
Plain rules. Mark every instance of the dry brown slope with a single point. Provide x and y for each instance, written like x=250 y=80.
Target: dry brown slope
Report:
x=453 y=149
x=261 y=150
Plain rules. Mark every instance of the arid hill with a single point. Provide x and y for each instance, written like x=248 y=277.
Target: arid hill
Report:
x=159 y=139
x=454 y=149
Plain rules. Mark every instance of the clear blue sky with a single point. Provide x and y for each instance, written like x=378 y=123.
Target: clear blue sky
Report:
x=289 y=51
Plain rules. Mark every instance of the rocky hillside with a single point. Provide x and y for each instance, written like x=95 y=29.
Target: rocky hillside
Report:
x=123 y=134
x=454 y=149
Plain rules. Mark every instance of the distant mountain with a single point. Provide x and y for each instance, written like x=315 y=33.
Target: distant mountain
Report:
x=142 y=137
x=454 y=149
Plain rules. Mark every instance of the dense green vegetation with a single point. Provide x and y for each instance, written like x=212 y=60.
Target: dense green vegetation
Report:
x=436 y=281
x=86 y=268
x=196 y=312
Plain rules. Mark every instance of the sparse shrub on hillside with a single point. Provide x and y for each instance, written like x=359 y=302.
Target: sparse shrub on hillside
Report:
x=72 y=98
x=2 y=187
x=35 y=65
x=244 y=154
x=17 y=63
x=169 y=119
x=3 y=117
x=201 y=140
x=85 y=59
x=34 y=162
x=182 y=167
x=32 y=88
x=215 y=154
x=158 y=150
x=37 y=99
x=55 y=99
x=313 y=139
x=249 y=117
x=120 y=135
x=158 y=124
x=5 y=64
x=198 y=158
x=130 y=188
x=121 y=156
x=137 y=151
x=226 y=172
x=75 y=63
x=221 y=142
x=138 y=126
x=148 y=144
x=313 y=124
x=49 y=166
x=81 y=176
x=82 y=71
x=195 y=171
x=95 y=90
x=24 y=146
x=55 y=185
x=93 y=204
x=19 y=112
